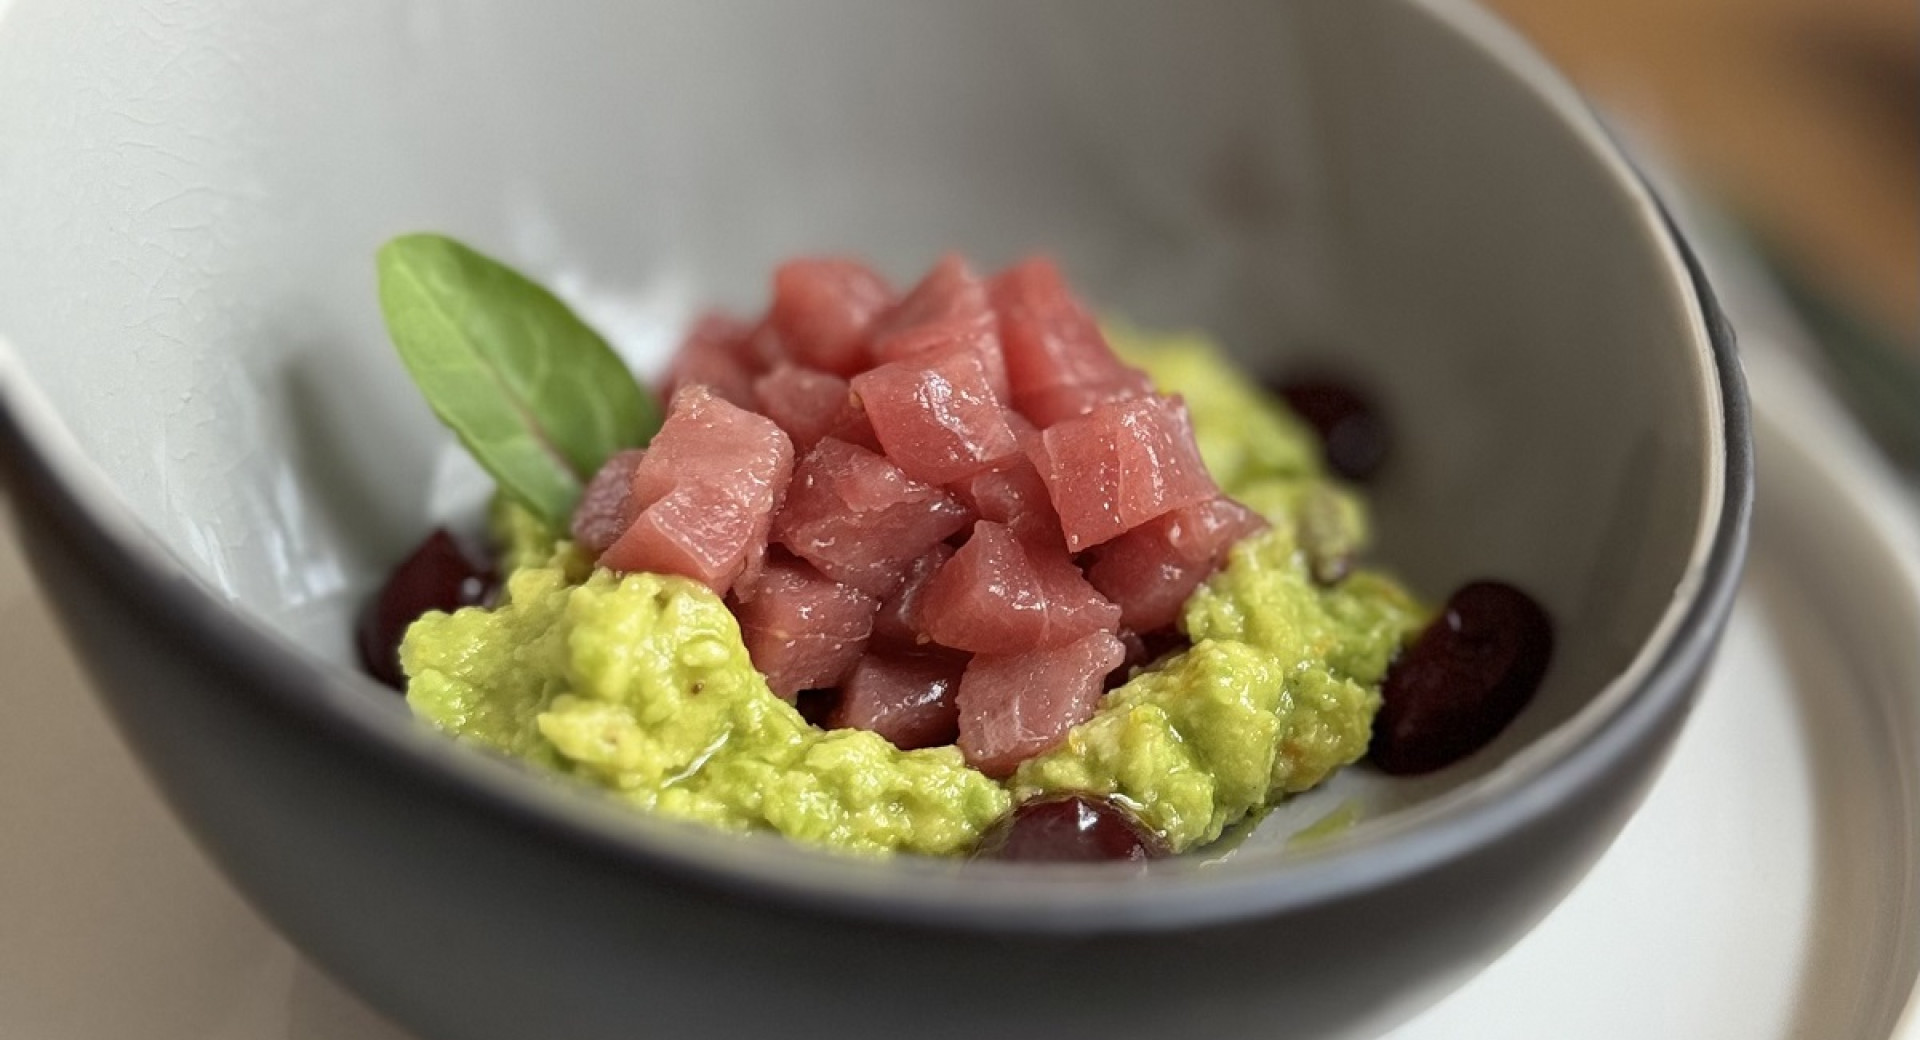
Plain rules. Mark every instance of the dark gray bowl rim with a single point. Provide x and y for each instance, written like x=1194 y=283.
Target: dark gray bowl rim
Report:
x=72 y=508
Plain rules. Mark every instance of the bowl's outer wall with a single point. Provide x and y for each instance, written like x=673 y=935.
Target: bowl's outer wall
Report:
x=470 y=923
x=467 y=926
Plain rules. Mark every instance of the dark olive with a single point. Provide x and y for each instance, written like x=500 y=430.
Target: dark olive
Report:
x=1355 y=436
x=1466 y=677
x=437 y=575
x=1071 y=828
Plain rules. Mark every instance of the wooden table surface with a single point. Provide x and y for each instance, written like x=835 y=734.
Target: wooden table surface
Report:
x=1803 y=116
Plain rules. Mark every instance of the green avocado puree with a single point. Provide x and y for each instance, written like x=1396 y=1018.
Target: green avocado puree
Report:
x=640 y=684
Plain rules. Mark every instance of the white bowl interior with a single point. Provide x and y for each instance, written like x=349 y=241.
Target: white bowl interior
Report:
x=191 y=193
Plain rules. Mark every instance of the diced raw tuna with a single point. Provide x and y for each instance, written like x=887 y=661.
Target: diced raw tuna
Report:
x=898 y=623
x=803 y=630
x=997 y=596
x=907 y=698
x=1059 y=403
x=862 y=521
x=1013 y=708
x=697 y=530
x=1074 y=606
x=963 y=401
x=1151 y=570
x=1119 y=466
x=763 y=350
x=822 y=310
x=603 y=514
x=948 y=308
x=704 y=493
x=1050 y=341
x=856 y=429
x=807 y=403
x=1013 y=494
x=717 y=354
x=936 y=415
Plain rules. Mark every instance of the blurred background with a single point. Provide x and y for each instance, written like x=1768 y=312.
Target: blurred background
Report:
x=1800 y=120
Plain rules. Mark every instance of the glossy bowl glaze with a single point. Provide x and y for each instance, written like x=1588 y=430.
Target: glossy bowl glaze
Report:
x=212 y=454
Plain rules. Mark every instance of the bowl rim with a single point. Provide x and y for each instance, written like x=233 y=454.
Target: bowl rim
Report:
x=77 y=507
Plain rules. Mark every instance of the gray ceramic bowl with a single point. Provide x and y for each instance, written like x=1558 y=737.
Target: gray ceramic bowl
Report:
x=212 y=454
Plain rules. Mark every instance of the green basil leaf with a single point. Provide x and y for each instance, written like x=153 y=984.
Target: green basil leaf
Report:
x=535 y=394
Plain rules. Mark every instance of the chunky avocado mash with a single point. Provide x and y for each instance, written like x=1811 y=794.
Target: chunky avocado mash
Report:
x=641 y=685
x=1278 y=691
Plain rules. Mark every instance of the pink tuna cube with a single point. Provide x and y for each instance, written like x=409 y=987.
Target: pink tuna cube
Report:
x=1074 y=606
x=906 y=698
x=1121 y=465
x=936 y=415
x=807 y=403
x=1013 y=708
x=603 y=514
x=1056 y=404
x=803 y=630
x=1049 y=339
x=948 y=308
x=1012 y=493
x=704 y=493
x=717 y=354
x=696 y=530
x=997 y=596
x=822 y=310
x=855 y=428
x=859 y=519
x=898 y=623
x=1151 y=570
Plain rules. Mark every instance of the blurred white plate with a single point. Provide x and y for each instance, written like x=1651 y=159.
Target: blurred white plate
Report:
x=1768 y=888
